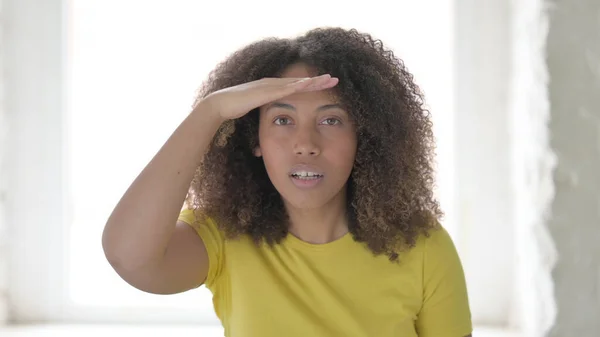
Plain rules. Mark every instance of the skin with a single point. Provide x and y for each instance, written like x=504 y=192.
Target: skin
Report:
x=309 y=128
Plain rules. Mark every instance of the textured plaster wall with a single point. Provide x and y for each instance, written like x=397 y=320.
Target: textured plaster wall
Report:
x=573 y=51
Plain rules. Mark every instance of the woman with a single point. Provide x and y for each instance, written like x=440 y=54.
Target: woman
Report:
x=306 y=169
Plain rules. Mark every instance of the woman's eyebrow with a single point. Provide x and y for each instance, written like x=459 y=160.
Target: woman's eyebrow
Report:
x=291 y=107
x=330 y=106
x=281 y=105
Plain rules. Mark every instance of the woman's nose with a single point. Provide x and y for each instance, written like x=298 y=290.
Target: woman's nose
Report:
x=306 y=144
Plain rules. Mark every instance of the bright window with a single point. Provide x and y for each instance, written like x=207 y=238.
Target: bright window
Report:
x=133 y=76
x=131 y=69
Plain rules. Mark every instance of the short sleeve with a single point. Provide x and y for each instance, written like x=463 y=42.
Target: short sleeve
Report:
x=213 y=242
x=445 y=311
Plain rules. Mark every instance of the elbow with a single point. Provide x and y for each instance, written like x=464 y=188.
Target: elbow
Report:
x=111 y=252
x=116 y=252
x=127 y=255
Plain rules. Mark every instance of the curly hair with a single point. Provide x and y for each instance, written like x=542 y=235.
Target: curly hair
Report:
x=390 y=199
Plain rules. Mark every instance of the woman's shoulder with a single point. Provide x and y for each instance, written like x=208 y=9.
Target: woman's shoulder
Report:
x=190 y=217
x=434 y=247
x=436 y=238
x=206 y=227
x=438 y=253
x=187 y=215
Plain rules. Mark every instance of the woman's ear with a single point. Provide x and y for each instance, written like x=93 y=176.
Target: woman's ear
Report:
x=257 y=151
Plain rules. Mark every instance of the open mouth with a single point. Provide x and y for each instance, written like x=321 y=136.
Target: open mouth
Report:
x=306 y=175
x=306 y=179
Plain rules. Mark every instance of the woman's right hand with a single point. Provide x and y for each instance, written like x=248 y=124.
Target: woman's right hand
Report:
x=236 y=101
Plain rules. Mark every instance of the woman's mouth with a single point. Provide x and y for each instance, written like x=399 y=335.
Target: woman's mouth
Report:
x=306 y=179
x=304 y=175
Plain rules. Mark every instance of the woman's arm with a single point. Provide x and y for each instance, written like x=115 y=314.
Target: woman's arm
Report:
x=141 y=239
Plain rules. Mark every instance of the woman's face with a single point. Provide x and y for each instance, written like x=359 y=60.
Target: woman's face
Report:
x=308 y=144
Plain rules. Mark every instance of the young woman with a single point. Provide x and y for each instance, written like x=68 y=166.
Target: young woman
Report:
x=306 y=171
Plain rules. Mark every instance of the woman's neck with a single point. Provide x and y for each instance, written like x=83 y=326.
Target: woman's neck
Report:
x=320 y=225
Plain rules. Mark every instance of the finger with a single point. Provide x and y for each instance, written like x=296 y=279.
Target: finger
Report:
x=326 y=84
x=311 y=80
x=274 y=92
x=301 y=84
x=298 y=85
x=279 y=81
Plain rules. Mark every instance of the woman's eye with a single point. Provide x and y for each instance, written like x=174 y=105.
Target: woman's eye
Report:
x=331 y=121
x=282 y=121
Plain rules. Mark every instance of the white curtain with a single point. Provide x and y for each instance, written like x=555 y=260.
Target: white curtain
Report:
x=3 y=150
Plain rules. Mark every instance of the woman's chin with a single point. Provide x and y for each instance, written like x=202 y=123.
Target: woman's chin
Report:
x=311 y=201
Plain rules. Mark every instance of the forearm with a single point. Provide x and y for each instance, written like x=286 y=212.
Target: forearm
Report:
x=139 y=228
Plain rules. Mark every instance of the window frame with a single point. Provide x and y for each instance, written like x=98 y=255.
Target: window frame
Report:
x=37 y=207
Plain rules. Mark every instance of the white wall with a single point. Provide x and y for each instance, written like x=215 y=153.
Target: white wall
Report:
x=482 y=156
x=34 y=102
x=3 y=147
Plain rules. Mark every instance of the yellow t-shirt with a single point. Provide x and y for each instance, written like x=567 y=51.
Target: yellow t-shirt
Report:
x=335 y=289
